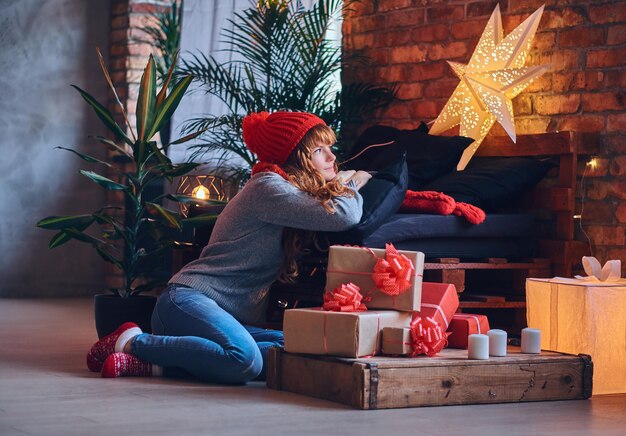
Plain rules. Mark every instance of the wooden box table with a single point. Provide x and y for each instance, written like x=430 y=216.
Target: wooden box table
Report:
x=447 y=379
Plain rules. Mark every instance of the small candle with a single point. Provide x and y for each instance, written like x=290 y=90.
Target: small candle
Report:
x=478 y=347
x=531 y=341
x=497 y=342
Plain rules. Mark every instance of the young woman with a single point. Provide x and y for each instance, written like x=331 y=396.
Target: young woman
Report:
x=203 y=321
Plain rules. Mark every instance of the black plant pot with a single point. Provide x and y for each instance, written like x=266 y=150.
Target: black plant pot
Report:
x=112 y=311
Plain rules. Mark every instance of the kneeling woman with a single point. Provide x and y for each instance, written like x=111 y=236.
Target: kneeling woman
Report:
x=203 y=321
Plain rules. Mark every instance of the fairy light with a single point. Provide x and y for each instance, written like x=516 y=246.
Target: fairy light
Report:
x=494 y=75
x=592 y=164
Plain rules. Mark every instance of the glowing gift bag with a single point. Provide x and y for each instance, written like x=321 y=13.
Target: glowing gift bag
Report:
x=582 y=316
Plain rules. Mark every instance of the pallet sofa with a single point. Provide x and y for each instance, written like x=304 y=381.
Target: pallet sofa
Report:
x=490 y=280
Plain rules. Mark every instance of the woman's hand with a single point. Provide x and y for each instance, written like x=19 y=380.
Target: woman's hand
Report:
x=344 y=176
x=360 y=179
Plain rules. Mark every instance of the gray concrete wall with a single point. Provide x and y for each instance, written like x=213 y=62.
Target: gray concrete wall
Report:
x=46 y=45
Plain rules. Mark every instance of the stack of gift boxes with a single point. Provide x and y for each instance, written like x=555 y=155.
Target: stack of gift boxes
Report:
x=376 y=303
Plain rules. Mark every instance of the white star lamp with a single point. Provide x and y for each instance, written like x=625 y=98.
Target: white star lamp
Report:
x=494 y=75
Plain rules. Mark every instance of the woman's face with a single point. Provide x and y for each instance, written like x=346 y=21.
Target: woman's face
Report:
x=323 y=160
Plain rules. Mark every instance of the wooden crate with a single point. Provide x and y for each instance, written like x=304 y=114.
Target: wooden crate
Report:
x=448 y=379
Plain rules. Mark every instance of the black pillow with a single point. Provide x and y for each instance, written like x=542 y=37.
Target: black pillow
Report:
x=492 y=183
x=427 y=156
x=382 y=196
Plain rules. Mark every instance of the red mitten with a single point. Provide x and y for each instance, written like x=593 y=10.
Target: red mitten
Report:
x=471 y=213
x=428 y=202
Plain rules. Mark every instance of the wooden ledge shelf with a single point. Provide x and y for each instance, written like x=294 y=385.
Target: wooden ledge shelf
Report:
x=492 y=305
x=535 y=264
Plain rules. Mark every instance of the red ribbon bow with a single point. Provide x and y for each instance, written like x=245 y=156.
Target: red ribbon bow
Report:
x=345 y=298
x=392 y=275
x=427 y=336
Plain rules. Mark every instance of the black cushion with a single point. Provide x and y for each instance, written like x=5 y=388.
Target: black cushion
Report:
x=382 y=196
x=492 y=183
x=427 y=156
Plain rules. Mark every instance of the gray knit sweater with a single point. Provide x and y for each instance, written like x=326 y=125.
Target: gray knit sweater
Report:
x=244 y=255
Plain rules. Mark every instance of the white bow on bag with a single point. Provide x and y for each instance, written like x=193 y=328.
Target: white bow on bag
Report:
x=610 y=272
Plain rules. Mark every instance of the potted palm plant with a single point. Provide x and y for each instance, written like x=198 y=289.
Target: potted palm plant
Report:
x=282 y=59
x=133 y=238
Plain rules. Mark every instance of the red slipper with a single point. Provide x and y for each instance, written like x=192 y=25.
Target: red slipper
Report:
x=125 y=365
x=106 y=346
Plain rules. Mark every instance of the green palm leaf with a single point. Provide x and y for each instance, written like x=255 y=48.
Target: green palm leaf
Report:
x=166 y=83
x=62 y=222
x=188 y=137
x=146 y=101
x=109 y=257
x=104 y=114
x=112 y=145
x=86 y=157
x=171 y=218
x=59 y=239
x=169 y=105
x=103 y=181
x=198 y=221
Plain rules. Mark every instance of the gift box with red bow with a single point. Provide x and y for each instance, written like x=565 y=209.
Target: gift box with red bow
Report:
x=463 y=325
x=423 y=337
x=439 y=302
x=346 y=334
x=388 y=279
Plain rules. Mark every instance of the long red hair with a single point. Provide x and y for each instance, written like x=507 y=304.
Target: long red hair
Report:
x=303 y=175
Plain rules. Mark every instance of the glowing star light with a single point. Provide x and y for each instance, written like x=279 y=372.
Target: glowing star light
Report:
x=494 y=75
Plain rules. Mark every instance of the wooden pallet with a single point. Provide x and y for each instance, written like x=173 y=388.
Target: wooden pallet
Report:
x=457 y=272
x=447 y=379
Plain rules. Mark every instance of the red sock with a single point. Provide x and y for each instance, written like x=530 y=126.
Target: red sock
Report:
x=471 y=213
x=106 y=346
x=123 y=364
x=428 y=202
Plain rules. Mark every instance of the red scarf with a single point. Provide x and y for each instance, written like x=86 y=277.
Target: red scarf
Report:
x=266 y=167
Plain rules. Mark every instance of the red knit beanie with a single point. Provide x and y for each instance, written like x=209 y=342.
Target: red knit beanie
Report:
x=272 y=137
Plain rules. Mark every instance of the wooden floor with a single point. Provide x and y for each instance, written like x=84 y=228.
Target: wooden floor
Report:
x=46 y=389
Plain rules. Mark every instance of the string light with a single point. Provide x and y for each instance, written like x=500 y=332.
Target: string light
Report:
x=591 y=163
x=494 y=75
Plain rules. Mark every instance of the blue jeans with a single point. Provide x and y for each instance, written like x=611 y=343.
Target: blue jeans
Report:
x=192 y=335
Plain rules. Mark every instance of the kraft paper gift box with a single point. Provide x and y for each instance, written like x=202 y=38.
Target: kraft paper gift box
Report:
x=397 y=341
x=344 y=334
x=429 y=338
x=439 y=302
x=463 y=325
x=582 y=317
x=356 y=264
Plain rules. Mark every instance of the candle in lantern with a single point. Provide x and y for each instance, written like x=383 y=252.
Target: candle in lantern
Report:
x=497 y=342
x=478 y=347
x=531 y=341
x=200 y=192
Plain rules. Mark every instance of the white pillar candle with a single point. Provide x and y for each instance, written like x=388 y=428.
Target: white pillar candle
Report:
x=497 y=342
x=478 y=347
x=531 y=341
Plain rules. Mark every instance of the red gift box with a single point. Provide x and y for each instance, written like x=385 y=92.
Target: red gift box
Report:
x=463 y=325
x=439 y=302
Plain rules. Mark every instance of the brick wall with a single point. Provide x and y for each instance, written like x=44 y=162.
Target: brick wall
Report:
x=127 y=59
x=409 y=42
